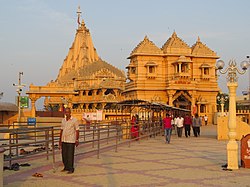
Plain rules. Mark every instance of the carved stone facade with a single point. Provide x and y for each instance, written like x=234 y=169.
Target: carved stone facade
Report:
x=84 y=81
x=175 y=74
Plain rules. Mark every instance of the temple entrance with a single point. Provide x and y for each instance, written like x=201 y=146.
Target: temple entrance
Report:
x=182 y=99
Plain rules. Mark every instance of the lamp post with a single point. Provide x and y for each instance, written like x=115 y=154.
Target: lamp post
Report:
x=19 y=91
x=232 y=84
x=222 y=99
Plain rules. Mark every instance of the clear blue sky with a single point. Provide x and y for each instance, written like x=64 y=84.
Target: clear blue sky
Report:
x=35 y=35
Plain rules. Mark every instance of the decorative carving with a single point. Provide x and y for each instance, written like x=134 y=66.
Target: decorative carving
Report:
x=109 y=97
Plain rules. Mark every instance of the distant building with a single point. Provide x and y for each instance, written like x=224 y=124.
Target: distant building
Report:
x=243 y=101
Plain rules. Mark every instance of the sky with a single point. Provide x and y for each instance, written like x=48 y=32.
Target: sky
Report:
x=35 y=35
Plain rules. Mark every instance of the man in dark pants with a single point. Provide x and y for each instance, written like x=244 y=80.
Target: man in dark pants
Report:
x=187 y=125
x=69 y=138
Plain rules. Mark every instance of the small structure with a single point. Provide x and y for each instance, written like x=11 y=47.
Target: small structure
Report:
x=7 y=110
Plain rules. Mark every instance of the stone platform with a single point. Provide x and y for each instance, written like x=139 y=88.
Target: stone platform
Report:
x=184 y=162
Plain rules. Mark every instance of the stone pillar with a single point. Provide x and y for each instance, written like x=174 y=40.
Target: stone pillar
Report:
x=232 y=146
x=33 y=107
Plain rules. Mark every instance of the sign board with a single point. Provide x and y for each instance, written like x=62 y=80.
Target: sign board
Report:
x=24 y=102
x=89 y=116
x=31 y=121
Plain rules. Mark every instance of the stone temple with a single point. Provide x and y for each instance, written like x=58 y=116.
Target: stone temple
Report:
x=175 y=74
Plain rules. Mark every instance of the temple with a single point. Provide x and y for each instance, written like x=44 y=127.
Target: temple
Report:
x=84 y=81
x=175 y=74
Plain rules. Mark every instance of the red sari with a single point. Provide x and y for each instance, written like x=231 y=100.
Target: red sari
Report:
x=134 y=129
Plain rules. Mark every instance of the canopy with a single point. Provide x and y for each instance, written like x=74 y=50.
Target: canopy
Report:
x=4 y=106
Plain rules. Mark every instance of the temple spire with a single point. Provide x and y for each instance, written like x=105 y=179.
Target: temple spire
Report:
x=79 y=16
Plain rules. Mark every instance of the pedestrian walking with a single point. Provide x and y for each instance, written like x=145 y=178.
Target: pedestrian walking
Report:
x=196 y=125
x=187 y=125
x=179 y=124
x=69 y=139
x=168 y=127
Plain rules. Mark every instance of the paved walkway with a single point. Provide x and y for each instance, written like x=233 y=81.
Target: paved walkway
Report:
x=184 y=162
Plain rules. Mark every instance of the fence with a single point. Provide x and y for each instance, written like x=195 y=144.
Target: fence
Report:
x=25 y=141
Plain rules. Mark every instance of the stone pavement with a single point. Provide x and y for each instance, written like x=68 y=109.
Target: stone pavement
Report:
x=184 y=162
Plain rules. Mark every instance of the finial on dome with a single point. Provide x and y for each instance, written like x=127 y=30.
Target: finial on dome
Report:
x=79 y=16
x=174 y=34
x=198 y=40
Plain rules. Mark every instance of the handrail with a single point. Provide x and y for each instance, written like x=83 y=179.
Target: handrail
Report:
x=100 y=136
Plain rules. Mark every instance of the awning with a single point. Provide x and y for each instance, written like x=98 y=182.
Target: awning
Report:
x=4 y=106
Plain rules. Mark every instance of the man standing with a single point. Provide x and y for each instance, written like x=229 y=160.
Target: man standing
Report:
x=69 y=138
x=205 y=119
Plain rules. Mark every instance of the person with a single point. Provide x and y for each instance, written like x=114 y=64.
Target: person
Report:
x=88 y=122
x=205 y=119
x=168 y=127
x=187 y=125
x=69 y=139
x=134 y=128
x=179 y=124
x=196 y=125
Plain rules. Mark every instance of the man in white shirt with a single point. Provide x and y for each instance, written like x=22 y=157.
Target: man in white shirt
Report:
x=179 y=123
x=205 y=119
x=69 y=139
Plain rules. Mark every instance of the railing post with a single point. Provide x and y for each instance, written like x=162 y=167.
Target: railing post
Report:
x=84 y=132
x=10 y=142
x=1 y=166
x=130 y=135
x=109 y=125
x=53 y=145
x=98 y=142
x=93 y=138
x=116 y=139
x=47 y=142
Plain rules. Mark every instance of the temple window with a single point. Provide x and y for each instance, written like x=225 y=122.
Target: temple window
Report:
x=90 y=92
x=98 y=91
x=99 y=106
x=84 y=106
x=132 y=70
x=90 y=106
x=109 y=91
x=203 y=108
x=84 y=93
x=151 y=69
x=75 y=106
x=205 y=71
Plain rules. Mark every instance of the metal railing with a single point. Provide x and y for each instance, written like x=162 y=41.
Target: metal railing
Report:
x=96 y=138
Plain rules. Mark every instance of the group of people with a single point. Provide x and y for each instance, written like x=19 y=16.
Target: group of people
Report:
x=69 y=134
x=187 y=122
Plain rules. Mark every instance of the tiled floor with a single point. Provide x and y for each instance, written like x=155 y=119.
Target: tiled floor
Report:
x=184 y=162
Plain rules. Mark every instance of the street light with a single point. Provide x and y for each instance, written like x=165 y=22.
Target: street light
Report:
x=232 y=84
x=19 y=91
x=222 y=99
